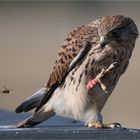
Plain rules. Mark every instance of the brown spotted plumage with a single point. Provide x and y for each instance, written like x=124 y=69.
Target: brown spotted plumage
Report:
x=85 y=73
x=73 y=44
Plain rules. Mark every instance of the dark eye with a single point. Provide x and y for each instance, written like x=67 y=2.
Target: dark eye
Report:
x=115 y=33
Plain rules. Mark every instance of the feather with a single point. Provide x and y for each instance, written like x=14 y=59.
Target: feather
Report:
x=77 y=60
x=31 y=102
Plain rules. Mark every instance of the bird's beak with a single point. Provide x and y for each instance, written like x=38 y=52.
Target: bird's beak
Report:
x=104 y=42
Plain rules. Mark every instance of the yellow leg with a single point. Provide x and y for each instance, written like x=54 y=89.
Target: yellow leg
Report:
x=99 y=123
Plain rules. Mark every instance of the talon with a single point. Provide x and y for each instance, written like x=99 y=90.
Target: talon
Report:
x=112 y=125
x=99 y=124
x=117 y=125
x=113 y=65
x=96 y=124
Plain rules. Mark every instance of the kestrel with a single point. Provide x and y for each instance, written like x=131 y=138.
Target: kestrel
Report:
x=87 y=69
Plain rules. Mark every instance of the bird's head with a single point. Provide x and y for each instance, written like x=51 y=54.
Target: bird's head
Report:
x=117 y=29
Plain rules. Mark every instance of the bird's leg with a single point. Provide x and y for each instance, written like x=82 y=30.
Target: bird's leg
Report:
x=98 y=78
x=99 y=123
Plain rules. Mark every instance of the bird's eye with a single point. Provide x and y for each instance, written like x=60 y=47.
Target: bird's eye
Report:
x=115 y=33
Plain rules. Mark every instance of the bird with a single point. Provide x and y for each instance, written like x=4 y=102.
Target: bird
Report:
x=86 y=71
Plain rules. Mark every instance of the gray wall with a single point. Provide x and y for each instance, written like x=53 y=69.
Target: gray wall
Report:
x=31 y=34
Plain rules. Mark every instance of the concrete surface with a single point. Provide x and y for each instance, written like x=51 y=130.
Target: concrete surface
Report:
x=60 y=128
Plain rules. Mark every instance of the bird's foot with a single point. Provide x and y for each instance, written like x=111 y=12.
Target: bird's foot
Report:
x=98 y=78
x=112 y=125
x=99 y=124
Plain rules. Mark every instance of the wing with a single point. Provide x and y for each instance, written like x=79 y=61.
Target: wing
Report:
x=73 y=51
x=44 y=94
x=31 y=102
x=72 y=46
x=78 y=59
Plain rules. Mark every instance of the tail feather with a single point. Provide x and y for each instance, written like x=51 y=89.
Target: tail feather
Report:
x=31 y=102
x=35 y=119
x=26 y=123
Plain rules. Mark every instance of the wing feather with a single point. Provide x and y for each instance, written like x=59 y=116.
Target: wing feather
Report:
x=72 y=46
x=73 y=51
x=82 y=54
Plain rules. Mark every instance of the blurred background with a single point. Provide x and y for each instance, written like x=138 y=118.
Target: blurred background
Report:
x=31 y=34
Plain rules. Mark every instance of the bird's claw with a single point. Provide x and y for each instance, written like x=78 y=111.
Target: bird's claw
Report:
x=99 y=124
x=112 y=66
x=103 y=72
x=112 y=125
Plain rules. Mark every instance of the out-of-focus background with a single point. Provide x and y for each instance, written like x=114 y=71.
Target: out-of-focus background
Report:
x=31 y=34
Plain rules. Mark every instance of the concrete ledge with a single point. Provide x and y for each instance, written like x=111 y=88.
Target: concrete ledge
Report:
x=60 y=128
x=70 y=133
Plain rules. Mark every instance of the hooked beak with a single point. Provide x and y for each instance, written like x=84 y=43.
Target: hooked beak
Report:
x=104 y=42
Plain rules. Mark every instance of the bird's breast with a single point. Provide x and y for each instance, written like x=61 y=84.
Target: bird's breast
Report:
x=78 y=99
